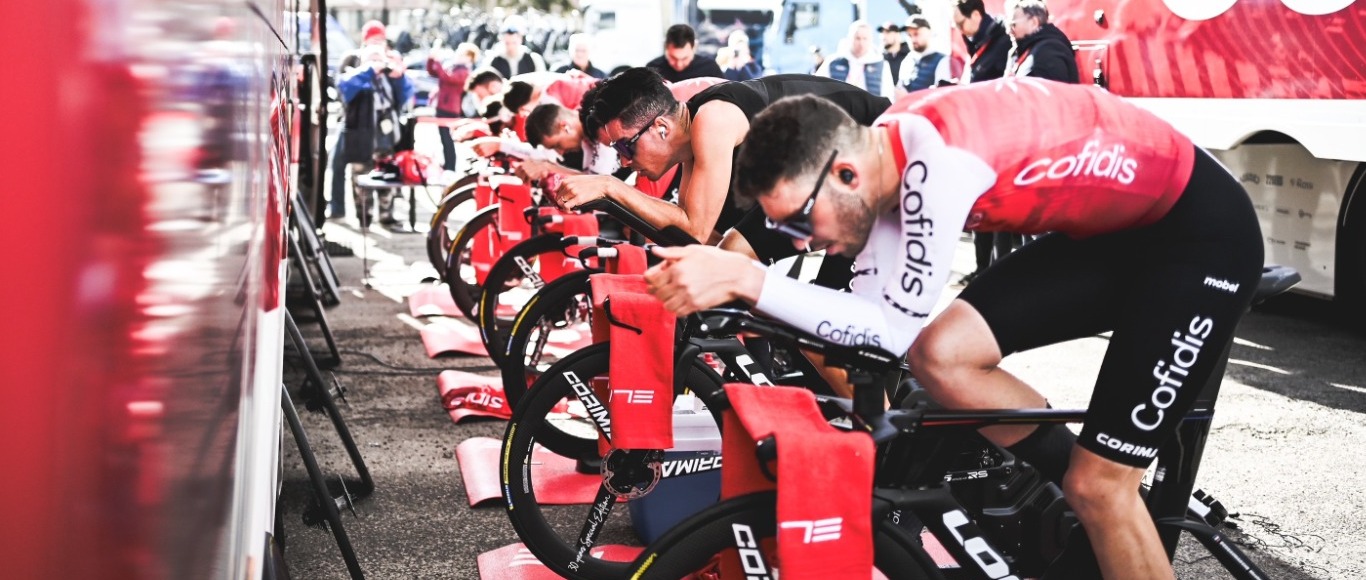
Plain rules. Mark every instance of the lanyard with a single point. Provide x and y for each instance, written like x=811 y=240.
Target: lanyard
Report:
x=980 y=50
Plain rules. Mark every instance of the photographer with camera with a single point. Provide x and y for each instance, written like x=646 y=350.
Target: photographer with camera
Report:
x=373 y=95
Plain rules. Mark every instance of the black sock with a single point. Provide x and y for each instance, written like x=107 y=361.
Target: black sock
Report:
x=1048 y=449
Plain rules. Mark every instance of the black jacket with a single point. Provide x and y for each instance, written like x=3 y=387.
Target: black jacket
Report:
x=894 y=60
x=591 y=71
x=1046 y=54
x=988 y=50
x=700 y=66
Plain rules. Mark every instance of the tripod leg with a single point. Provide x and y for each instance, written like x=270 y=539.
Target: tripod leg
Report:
x=320 y=486
x=324 y=395
x=296 y=254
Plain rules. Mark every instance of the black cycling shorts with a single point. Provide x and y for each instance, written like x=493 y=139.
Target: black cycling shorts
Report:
x=1171 y=293
x=770 y=246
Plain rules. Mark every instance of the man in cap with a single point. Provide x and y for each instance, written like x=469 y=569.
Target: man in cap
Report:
x=894 y=49
x=925 y=67
x=510 y=57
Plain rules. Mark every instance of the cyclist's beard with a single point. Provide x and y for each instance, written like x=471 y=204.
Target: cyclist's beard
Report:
x=856 y=219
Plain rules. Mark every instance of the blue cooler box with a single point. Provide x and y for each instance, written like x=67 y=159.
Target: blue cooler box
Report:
x=696 y=451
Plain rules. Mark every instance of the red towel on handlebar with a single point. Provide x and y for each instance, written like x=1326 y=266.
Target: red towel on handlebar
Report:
x=630 y=260
x=825 y=482
x=486 y=247
x=552 y=267
x=604 y=285
x=641 y=372
x=513 y=199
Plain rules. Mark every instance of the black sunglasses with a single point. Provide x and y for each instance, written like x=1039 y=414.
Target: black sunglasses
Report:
x=627 y=148
x=798 y=227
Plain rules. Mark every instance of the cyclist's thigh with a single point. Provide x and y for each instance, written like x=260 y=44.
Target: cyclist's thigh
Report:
x=1050 y=291
x=1201 y=266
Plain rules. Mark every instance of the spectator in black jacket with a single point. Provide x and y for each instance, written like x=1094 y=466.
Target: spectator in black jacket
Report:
x=988 y=48
x=510 y=57
x=986 y=39
x=1041 y=49
x=680 y=61
x=894 y=48
x=580 y=49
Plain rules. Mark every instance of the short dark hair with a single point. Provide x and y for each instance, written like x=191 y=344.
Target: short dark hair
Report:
x=492 y=108
x=633 y=98
x=541 y=122
x=517 y=95
x=967 y=7
x=679 y=36
x=787 y=140
x=590 y=126
x=482 y=77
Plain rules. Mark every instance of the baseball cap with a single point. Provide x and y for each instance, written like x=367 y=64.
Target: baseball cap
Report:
x=916 y=23
x=889 y=26
x=372 y=29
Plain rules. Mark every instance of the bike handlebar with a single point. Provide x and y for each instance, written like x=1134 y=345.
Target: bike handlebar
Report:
x=669 y=236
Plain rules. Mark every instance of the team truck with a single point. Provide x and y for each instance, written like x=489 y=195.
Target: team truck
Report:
x=1276 y=89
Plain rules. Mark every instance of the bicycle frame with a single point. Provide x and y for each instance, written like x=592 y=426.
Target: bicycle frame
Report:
x=909 y=478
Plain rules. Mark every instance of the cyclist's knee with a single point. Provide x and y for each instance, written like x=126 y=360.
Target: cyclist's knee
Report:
x=953 y=348
x=1095 y=486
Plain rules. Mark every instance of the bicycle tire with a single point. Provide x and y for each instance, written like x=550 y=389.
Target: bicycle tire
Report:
x=553 y=300
x=464 y=286
x=439 y=232
x=531 y=424
x=692 y=545
x=493 y=330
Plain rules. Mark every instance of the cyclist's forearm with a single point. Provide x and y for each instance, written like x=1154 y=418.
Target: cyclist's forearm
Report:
x=656 y=212
x=841 y=317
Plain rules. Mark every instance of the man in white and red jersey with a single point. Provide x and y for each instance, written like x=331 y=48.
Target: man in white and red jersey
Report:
x=1152 y=240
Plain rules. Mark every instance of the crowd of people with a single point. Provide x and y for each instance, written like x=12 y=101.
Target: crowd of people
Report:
x=862 y=160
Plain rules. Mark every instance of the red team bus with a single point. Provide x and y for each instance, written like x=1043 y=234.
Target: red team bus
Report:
x=149 y=152
x=1276 y=89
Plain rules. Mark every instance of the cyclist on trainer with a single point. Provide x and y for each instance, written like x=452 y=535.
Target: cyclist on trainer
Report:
x=1154 y=240
x=653 y=131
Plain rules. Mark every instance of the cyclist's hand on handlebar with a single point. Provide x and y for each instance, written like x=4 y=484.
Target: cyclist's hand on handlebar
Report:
x=533 y=170
x=693 y=278
x=486 y=146
x=577 y=190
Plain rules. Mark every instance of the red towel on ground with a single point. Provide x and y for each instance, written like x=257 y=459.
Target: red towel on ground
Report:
x=516 y=562
x=630 y=260
x=432 y=300
x=641 y=371
x=556 y=481
x=513 y=199
x=829 y=538
x=465 y=395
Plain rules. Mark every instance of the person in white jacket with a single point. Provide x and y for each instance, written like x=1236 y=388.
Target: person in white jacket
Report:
x=861 y=64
